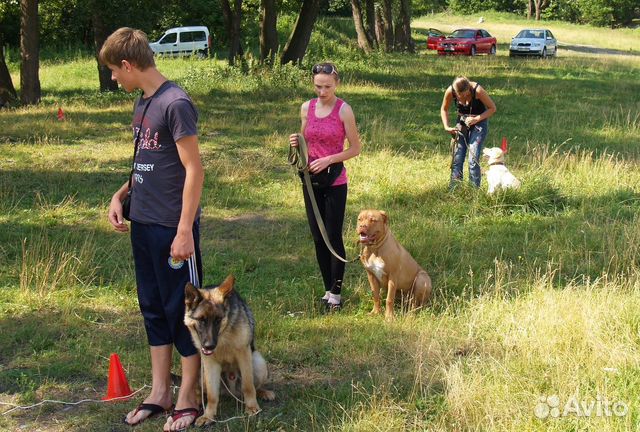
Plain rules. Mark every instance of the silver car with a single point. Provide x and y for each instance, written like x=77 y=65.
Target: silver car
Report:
x=535 y=42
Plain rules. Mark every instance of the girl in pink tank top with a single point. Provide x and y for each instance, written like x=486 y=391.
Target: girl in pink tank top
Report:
x=326 y=122
x=325 y=135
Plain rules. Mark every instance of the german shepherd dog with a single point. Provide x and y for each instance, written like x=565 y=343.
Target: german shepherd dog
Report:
x=222 y=327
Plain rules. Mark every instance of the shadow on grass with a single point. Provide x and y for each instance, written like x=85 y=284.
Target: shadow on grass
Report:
x=321 y=369
x=64 y=355
x=50 y=346
x=49 y=354
x=26 y=189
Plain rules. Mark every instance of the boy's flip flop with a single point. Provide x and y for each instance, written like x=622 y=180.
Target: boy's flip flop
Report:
x=179 y=413
x=154 y=411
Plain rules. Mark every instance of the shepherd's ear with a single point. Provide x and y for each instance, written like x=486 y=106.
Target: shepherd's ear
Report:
x=191 y=295
x=227 y=286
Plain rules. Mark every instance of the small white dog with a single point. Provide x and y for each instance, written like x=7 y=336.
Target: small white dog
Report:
x=499 y=176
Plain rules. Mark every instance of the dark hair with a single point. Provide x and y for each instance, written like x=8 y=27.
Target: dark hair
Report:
x=127 y=44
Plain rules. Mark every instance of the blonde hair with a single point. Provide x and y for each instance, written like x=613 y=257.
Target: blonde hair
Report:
x=127 y=44
x=461 y=84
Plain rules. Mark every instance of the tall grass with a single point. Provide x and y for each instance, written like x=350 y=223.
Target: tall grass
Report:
x=47 y=267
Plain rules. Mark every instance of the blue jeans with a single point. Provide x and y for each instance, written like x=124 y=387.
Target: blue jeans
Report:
x=473 y=142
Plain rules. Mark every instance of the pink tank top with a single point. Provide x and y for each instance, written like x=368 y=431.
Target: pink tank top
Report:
x=325 y=135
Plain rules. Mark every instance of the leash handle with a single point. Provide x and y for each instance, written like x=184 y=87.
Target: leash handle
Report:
x=299 y=157
x=193 y=270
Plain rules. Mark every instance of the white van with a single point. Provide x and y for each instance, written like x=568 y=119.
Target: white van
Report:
x=184 y=41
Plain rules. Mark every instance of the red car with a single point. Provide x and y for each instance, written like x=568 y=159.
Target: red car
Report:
x=434 y=36
x=468 y=42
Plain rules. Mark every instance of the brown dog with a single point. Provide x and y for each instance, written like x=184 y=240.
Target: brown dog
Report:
x=388 y=263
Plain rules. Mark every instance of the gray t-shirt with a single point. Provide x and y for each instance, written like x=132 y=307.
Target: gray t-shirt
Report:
x=158 y=173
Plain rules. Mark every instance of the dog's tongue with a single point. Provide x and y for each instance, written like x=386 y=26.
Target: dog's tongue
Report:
x=206 y=351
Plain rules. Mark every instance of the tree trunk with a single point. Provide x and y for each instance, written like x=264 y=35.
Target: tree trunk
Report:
x=380 y=31
x=227 y=18
x=233 y=20
x=30 y=52
x=101 y=32
x=387 y=19
x=299 y=40
x=7 y=90
x=540 y=5
x=237 y=27
x=398 y=35
x=405 y=23
x=370 y=6
x=363 y=38
x=268 y=31
x=529 y=9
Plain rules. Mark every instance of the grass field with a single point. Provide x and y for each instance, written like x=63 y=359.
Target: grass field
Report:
x=537 y=291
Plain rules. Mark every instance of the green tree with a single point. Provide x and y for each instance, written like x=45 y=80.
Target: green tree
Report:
x=10 y=22
x=423 y=7
x=607 y=12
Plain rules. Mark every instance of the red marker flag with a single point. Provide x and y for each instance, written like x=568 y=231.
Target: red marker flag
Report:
x=60 y=114
x=504 y=145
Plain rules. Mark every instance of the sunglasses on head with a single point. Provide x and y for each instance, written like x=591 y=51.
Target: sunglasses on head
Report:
x=324 y=68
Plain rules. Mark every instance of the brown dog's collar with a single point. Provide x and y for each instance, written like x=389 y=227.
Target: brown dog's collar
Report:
x=496 y=163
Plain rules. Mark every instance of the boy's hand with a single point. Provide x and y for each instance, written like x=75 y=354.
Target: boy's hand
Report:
x=182 y=246
x=115 y=215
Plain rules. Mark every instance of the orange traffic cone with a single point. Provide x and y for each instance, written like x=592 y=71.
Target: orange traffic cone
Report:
x=504 y=145
x=60 y=114
x=118 y=387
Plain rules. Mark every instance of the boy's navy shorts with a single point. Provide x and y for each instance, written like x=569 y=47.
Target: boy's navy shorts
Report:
x=161 y=284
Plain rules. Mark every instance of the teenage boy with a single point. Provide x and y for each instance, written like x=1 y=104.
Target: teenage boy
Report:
x=166 y=187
